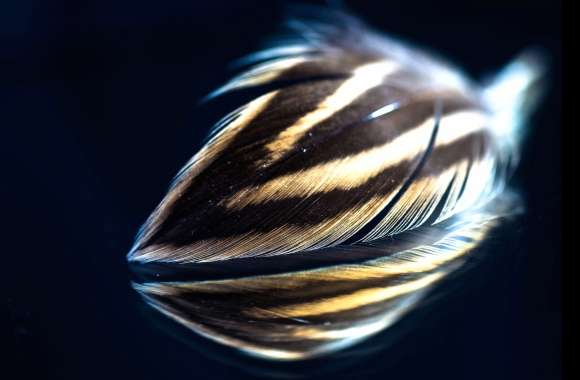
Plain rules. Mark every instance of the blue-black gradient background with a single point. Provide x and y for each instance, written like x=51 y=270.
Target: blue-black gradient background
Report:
x=99 y=110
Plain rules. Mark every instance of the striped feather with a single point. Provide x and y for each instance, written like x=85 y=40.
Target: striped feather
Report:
x=367 y=138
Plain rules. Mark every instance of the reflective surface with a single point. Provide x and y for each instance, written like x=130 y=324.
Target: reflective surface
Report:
x=98 y=113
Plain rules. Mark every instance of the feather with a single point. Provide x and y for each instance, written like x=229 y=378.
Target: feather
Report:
x=307 y=313
x=361 y=138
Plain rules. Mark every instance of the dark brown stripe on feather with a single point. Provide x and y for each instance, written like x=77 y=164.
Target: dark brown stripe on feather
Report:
x=192 y=220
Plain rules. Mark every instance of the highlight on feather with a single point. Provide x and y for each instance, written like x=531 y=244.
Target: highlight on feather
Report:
x=308 y=313
x=368 y=138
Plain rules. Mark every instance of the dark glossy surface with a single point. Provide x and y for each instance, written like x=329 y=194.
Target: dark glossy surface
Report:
x=98 y=114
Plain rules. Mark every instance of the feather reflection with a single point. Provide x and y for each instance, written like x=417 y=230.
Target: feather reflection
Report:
x=290 y=314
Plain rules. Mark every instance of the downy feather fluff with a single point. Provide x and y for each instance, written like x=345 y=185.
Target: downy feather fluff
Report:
x=362 y=137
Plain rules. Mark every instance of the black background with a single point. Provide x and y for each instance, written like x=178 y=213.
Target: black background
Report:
x=98 y=112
